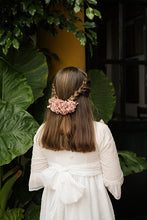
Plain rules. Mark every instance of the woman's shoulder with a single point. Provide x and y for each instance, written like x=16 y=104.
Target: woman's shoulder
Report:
x=40 y=129
x=39 y=132
x=100 y=125
x=102 y=129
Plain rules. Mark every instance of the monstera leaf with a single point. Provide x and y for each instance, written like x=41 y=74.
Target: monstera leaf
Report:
x=17 y=128
x=32 y=64
x=14 y=87
x=102 y=95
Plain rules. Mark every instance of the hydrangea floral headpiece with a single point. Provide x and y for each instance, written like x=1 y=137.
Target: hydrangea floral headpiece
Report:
x=62 y=107
x=68 y=106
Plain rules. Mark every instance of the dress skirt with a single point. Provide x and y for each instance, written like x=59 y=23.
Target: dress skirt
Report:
x=93 y=204
x=75 y=183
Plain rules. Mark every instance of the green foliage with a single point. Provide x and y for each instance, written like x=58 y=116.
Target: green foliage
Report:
x=14 y=87
x=130 y=163
x=7 y=183
x=20 y=19
x=102 y=95
x=6 y=189
x=93 y=2
x=28 y=76
x=12 y=214
x=23 y=75
x=33 y=214
x=91 y=13
x=17 y=129
x=31 y=64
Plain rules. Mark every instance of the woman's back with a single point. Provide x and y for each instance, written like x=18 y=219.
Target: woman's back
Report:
x=74 y=159
x=74 y=182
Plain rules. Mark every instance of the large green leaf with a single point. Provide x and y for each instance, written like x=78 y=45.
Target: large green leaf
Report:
x=130 y=163
x=12 y=214
x=32 y=64
x=17 y=129
x=14 y=87
x=102 y=95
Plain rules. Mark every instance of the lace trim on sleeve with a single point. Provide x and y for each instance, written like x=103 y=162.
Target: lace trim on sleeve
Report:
x=114 y=186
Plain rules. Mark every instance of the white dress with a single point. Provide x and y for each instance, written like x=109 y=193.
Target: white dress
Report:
x=75 y=183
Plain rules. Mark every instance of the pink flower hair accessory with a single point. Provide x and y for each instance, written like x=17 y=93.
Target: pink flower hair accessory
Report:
x=62 y=107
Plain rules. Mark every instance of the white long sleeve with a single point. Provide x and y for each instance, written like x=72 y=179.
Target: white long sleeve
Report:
x=38 y=164
x=112 y=173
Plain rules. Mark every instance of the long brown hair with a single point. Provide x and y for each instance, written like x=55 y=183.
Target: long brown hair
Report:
x=75 y=131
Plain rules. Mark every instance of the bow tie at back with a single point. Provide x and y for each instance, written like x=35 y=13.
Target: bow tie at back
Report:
x=60 y=179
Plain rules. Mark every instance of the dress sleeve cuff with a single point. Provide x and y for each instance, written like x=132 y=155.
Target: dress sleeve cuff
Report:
x=114 y=187
x=35 y=182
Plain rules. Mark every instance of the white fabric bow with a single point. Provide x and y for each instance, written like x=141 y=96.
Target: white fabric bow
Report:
x=59 y=178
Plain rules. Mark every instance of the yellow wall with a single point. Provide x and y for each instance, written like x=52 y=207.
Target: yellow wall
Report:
x=66 y=46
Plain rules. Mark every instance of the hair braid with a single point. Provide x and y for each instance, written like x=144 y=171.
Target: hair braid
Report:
x=54 y=94
x=84 y=89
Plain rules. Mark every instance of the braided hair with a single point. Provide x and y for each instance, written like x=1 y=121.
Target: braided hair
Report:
x=73 y=131
x=84 y=89
x=54 y=94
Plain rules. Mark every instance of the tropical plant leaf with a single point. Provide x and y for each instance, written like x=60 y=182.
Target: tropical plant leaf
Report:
x=6 y=189
x=12 y=214
x=90 y=13
x=32 y=64
x=102 y=95
x=94 y=2
x=130 y=163
x=33 y=214
x=17 y=129
x=14 y=87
